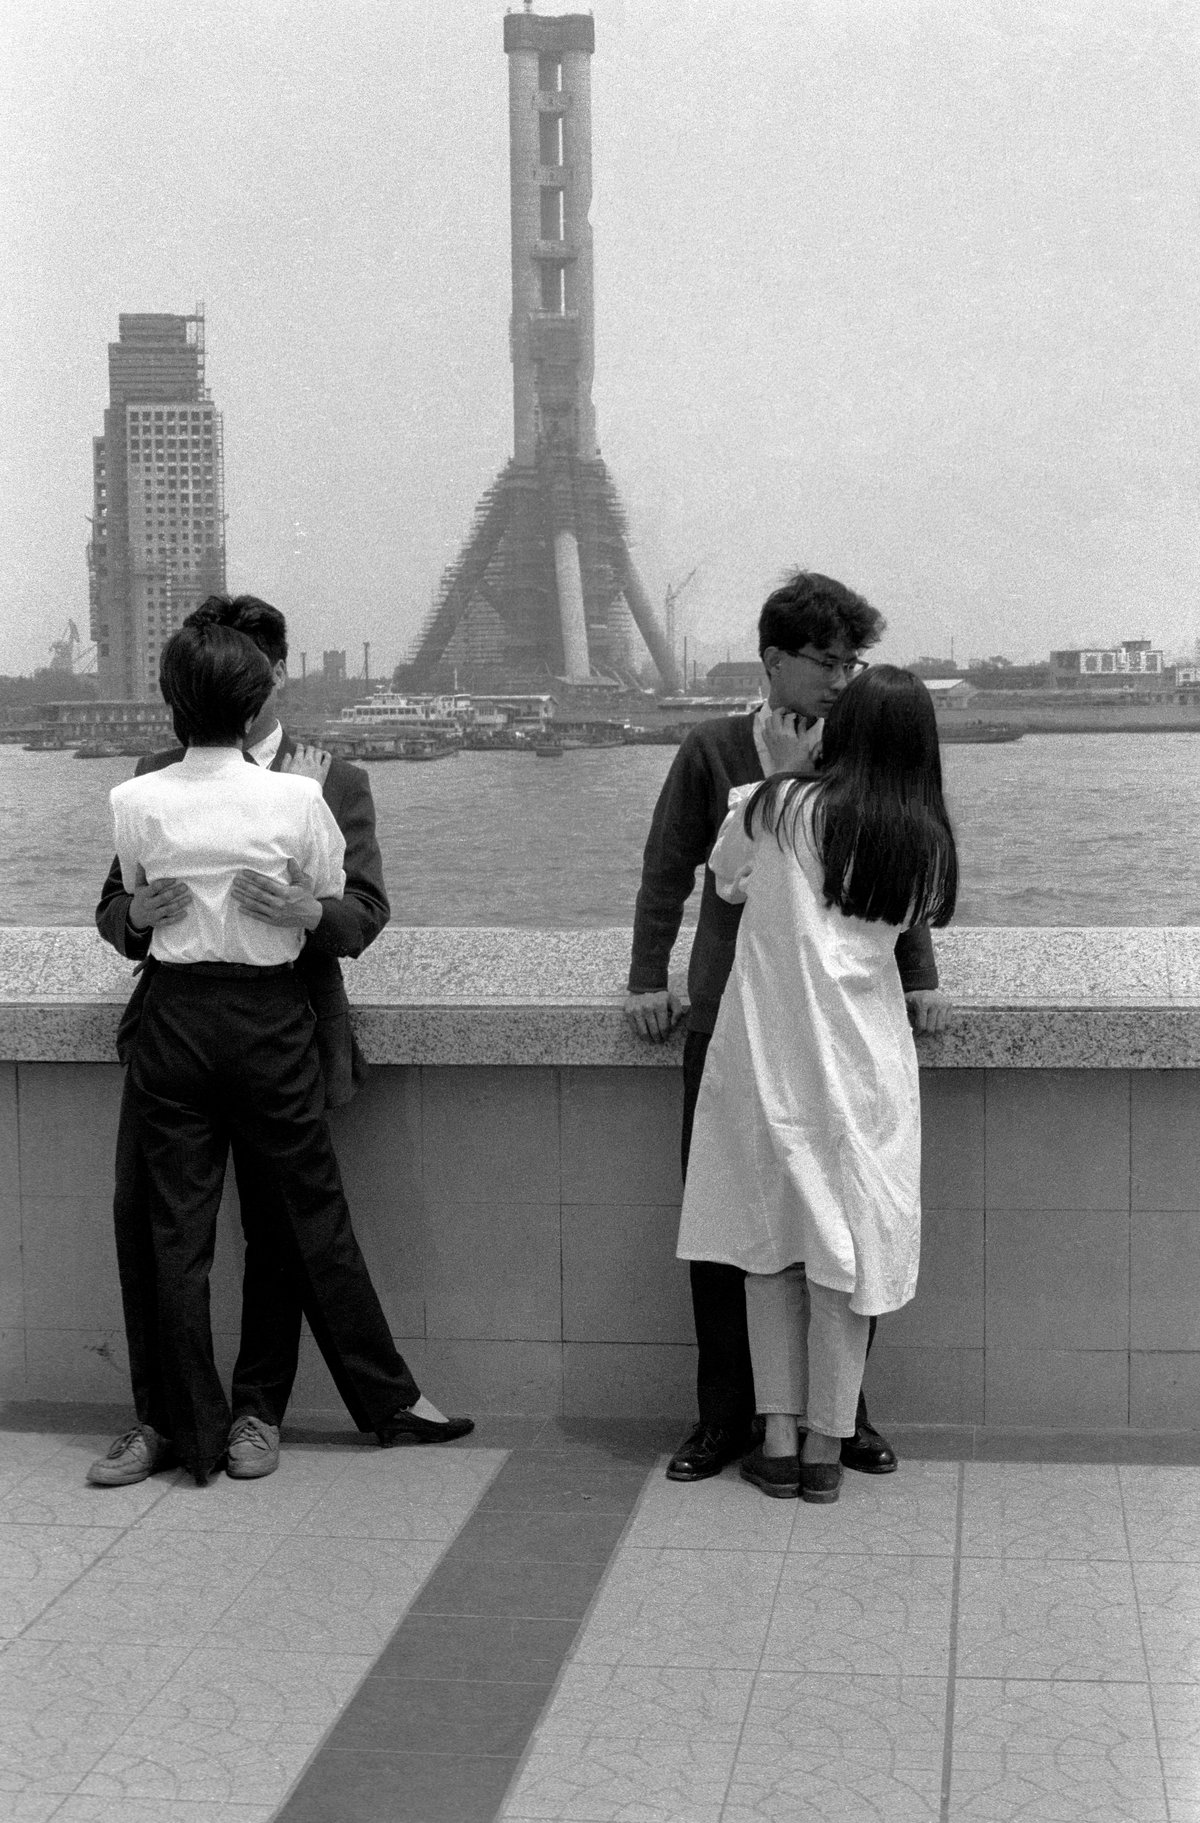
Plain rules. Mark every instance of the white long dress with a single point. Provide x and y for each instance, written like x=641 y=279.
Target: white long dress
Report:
x=807 y=1137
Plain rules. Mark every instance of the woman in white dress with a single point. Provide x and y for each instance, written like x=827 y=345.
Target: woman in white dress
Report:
x=806 y=1154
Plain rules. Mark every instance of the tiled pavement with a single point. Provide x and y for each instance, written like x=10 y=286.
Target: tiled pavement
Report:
x=541 y=1627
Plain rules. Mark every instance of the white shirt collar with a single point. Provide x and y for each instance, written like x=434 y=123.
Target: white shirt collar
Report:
x=211 y=759
x=263 y=752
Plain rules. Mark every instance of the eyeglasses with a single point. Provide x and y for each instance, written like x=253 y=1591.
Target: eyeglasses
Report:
x=849 y=667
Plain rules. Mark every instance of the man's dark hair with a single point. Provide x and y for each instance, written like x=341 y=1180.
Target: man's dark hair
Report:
x=258 y=620
x=214 y=679
x=812 y=610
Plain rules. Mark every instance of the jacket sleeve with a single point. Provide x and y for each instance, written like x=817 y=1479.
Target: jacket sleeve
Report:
x=915 y=959
x=680 y=837
x=112 y=912
x=350 y=923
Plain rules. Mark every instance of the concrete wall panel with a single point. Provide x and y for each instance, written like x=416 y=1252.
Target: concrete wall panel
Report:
x=492 y=1269
x=489 y=1134
x=1058 y=1139
x=629 y=1380
x=1165 y=1129
x=1164 y=1309
x=923 y=1385
x=10 y=1174
x=1057 y=1279
x=1164 y=1390
x=952 y=1139
x=620 y=1136
x=1057 y=1389
x=947 y=1311
x=621 y=1280
x=68 y=1127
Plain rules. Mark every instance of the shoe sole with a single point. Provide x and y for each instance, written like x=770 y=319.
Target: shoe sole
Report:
x=777 y=1490
x=252 y=1473
x=871 y=1468
x=129 y=1481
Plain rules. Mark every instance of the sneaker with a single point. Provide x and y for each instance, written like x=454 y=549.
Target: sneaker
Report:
x=253 y=1449
x=136 y=1456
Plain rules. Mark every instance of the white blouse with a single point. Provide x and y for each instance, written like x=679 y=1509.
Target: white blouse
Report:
x=206 y=818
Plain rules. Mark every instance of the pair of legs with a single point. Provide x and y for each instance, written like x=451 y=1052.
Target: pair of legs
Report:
x=725 y=1387
x=809 y=1350
x=272 y=1287
x=226 y=1056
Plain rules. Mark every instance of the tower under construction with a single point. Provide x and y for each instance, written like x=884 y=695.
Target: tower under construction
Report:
x=545 y=586
x=158 y=526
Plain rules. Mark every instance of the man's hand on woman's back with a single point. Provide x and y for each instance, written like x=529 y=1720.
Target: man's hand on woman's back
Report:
x=156 y=902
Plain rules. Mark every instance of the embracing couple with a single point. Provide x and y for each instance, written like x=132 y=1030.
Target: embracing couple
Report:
x=245 y=868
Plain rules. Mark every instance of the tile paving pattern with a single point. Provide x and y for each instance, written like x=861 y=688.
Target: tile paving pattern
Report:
x=540 y=1627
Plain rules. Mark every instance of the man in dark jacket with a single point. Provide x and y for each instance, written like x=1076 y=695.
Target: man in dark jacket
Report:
x=271 y=1297
x=811 y=633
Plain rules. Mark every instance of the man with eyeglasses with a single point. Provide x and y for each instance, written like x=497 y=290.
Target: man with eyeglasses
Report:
x=810 y=634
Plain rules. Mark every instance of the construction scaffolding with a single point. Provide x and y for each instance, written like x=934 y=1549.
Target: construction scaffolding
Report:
x=545 y=586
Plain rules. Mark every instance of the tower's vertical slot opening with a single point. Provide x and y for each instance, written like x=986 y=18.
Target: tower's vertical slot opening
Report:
x=553 y=227
x=550 y=139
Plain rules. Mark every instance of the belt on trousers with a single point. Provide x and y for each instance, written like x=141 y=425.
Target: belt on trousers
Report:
x=228 y=971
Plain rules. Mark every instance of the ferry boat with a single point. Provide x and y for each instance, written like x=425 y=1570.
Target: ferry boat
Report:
x=391 y=712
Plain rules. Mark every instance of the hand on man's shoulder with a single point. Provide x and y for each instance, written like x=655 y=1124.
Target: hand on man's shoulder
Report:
x=307 y=761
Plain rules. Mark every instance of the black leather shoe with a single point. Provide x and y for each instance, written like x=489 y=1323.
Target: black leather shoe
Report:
x=868 y=1452
x=406 y=1428
x=706 y=1451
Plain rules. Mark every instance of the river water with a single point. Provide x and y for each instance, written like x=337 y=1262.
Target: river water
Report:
x=1052 y=829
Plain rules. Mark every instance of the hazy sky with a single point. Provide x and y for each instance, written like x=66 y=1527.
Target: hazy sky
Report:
x=903 y=290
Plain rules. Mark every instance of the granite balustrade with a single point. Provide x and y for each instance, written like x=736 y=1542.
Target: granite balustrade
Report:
x=513 y=1168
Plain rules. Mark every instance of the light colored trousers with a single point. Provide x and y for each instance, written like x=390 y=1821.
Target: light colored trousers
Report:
x=808 y=1350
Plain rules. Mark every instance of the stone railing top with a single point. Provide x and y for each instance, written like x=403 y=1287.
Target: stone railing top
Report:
x=1094 y=998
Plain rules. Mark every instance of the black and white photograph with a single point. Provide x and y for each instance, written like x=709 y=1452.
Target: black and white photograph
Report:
x=600 y=911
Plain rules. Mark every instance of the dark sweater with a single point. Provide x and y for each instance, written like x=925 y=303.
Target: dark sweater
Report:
x=713 y=757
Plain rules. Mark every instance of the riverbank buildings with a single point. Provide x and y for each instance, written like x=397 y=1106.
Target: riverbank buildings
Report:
x=158 y=524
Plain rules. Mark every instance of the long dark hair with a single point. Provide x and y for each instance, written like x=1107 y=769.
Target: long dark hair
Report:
x=880 y=824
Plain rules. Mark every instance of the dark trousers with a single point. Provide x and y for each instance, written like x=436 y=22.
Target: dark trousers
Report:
x=221 y=1060
x=724 y=1375
x=272 y=1286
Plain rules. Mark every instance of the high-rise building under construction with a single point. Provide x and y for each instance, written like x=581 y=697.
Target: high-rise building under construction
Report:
x=158 y=529
x=545 y=586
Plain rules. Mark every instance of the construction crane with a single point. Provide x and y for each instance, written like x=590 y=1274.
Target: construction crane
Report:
x=674 y=591
x=68 y=654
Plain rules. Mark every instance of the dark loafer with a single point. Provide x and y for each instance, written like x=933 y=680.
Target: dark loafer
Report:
x=868 y=1452
x=706 y=1451
x=406 y=1428
x=778 y=1476
x=820 y=1482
